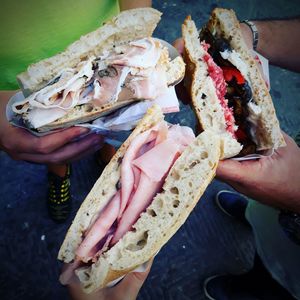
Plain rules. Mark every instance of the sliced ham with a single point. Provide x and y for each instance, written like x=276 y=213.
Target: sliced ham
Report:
x=162 y=155
x=130 y=155
x=141 y=180
x=99 y=229
x=142 y=197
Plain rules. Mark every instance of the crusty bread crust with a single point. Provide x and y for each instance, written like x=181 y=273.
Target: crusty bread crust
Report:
x=117 y=31
x=186 y=182
x=268 y=134
x=202 y=91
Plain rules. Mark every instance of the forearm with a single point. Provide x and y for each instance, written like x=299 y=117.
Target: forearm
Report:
x=278 y=41
x=4 y=98
x=128 y=4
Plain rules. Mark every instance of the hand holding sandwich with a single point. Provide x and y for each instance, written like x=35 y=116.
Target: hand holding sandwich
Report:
x=54 y=148
x=272 y=180
x=127 y=289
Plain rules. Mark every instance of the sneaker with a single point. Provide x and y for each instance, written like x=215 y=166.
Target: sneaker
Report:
x=232 y=204
x=59 y=196
x=214 y=291
x=256 y=284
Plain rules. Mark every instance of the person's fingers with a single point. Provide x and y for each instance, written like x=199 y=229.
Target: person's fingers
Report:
x=179 y=45
x=130 y=286
x=237 y=171
x=25 y=142
x=67 y=153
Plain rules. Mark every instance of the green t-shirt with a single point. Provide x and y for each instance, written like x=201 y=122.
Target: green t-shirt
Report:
x=35 y=29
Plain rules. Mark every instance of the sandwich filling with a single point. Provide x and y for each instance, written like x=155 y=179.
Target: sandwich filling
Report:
x=144 y=168
x=131 y=71
x=230 y=76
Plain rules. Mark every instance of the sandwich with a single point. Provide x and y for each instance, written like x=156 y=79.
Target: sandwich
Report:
x=228 y=93
x=111 y=67
x=143 y=196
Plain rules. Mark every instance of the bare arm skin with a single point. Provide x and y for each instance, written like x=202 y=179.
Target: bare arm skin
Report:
x=278 y=41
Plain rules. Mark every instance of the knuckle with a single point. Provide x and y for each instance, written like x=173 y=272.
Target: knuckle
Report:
x=41 y=147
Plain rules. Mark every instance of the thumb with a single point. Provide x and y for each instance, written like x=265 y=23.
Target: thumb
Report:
x=132 y=283
x=236 y=171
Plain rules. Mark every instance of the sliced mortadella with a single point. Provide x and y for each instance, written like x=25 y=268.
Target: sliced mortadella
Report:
x=105 y=220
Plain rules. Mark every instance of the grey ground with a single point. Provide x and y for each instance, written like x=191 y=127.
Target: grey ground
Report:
x=208 y=243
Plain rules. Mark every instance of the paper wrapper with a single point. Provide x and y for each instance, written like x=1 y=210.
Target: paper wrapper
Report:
x=123 y=119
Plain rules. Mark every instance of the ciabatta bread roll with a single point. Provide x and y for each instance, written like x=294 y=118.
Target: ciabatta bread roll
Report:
x=132 y=238
x=228 y=92
x=115 y=65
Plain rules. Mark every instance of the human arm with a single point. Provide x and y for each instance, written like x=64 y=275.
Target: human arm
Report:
x=273 y=180
x=278 y=41
x=128 y=4
x=53 y=148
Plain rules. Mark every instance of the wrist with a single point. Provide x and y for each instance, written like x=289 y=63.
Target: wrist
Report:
x=250 y=33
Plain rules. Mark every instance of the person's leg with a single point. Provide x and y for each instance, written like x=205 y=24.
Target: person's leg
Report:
x=255 y=284
x=258 y=283
x=232 y=204
x=59 y=195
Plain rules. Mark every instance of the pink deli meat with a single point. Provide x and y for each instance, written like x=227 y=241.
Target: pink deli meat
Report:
x=144 y=167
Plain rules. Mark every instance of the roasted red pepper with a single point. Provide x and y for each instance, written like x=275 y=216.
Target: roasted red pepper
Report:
x=230 y=72
x=241 y=135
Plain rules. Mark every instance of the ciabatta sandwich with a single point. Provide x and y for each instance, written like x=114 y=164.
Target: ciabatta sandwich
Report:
x=227 y=90
x=115 y=65
x=143 y=196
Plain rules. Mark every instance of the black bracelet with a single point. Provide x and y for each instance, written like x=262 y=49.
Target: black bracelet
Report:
x=254 y=32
